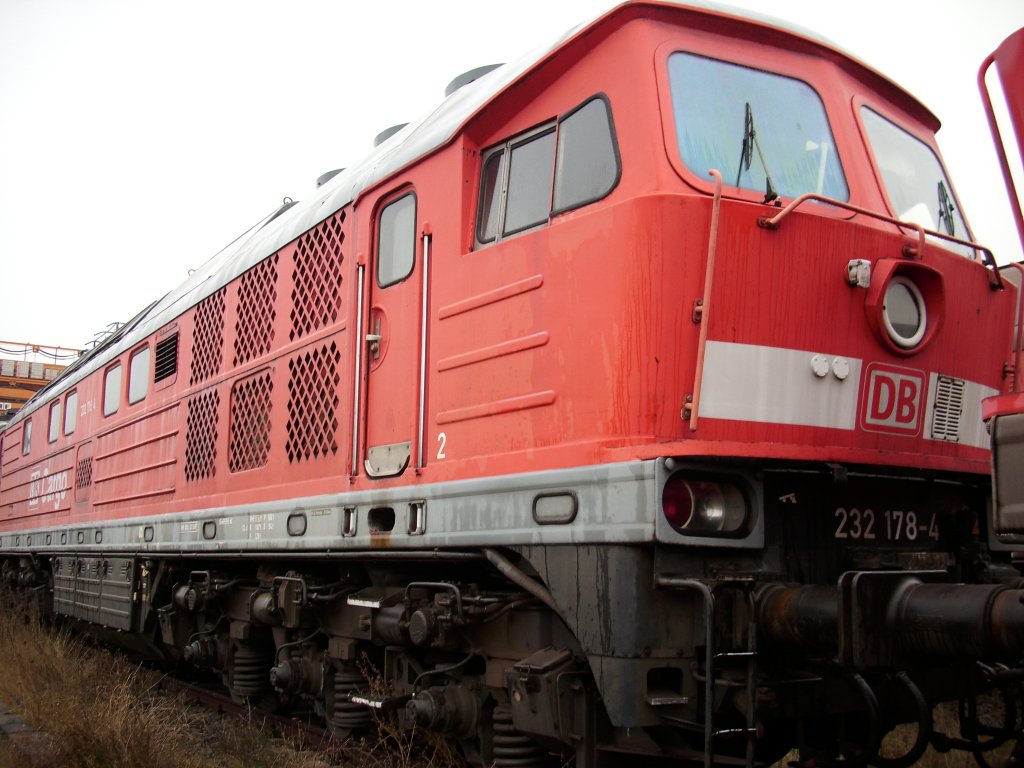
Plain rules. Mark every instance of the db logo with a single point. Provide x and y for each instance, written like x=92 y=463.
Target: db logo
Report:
x=892 y=400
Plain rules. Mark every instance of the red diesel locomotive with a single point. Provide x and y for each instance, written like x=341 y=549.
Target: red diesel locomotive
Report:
x=627 y=404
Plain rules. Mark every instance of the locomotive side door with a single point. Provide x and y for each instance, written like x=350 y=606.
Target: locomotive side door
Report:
x=393 y=336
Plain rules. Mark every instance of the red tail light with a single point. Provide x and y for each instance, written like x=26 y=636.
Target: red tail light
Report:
x=702 y=507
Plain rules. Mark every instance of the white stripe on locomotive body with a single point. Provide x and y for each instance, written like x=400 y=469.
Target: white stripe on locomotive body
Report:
x=777 y=385
x=750 y=382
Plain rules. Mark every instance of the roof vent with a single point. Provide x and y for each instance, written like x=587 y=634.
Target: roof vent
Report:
x=387 y=133
x=323 y=178
x=468 y=77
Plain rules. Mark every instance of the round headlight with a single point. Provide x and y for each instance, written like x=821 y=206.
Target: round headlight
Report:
x=904 y=313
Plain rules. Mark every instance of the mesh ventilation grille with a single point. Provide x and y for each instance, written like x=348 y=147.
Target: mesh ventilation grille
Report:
x=201 y=436
x=257 y=294
x=316 y=299
x=83 y=473
x=949 y=405
x=207 y=337
x=313 y=404
x=249 y=444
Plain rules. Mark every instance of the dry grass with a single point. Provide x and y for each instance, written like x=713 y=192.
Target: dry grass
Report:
x=95 y=709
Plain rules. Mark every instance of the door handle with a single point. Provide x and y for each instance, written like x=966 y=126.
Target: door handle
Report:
x=374 y=339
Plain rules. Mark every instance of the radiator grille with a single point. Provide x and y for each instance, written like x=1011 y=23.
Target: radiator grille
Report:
x=201 y=436
x=257 y=294
x=313 y=404
x=316 y=298
x=249 y=444
x=207 y=337
x=949 y=402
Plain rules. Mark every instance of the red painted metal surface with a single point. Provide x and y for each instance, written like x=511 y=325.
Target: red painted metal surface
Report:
x=569 y=345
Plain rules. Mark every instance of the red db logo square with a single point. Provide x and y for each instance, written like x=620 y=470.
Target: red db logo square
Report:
x=892 y=399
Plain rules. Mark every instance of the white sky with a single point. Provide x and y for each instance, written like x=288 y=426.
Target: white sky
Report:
x=137 y=138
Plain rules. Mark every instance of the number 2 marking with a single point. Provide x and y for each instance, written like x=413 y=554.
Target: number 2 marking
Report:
x=442 y=440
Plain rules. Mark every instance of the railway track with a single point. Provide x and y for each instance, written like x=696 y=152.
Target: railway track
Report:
x=298 y=729
x=303 y=731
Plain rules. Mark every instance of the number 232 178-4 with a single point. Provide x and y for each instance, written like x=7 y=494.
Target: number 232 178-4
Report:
x=894 y=526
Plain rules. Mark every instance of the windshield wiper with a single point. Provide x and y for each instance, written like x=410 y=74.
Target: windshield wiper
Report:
x=750 y=143
x=946 y=210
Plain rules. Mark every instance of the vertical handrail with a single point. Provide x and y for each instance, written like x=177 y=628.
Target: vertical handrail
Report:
x=1018 y=333
x=997 y=139
x=751 y=674
x=672 y=582
x=705 y=300
x=421 y=417
x=360 y=277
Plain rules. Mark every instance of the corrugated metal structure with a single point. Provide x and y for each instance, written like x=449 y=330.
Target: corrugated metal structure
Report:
x=21 y=377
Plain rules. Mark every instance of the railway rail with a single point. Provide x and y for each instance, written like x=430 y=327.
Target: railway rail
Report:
x=300 y=731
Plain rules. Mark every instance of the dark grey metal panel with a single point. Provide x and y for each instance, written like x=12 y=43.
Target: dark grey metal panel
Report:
x=64 y=584
x=116 y=606
x=95 y=589
x=1008 y=480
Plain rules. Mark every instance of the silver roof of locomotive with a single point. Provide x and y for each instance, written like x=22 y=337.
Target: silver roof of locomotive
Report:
x=414 y=141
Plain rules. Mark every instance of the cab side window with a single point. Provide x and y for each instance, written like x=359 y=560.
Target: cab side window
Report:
x=396 y=246
x=70 y=412
x=54 y=422
x=138 y=375
x=112 y=389
x=556 y=167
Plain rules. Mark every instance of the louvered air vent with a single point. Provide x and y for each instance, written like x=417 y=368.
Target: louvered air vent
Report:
x=166 y=364
x=949 y=404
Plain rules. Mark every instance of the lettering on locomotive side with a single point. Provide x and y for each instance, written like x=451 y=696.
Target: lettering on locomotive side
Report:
x=44 y=488
x=892 y=399
x=259 y=524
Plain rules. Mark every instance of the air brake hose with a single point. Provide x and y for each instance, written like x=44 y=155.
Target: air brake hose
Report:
x=520 y=579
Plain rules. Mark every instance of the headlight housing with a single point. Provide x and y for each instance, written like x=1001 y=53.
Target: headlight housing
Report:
x=904 y=312
x=702 y=507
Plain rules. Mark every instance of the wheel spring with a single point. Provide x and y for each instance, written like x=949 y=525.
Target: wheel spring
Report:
x=513 y=749
x=347 y=715
x=251 y=671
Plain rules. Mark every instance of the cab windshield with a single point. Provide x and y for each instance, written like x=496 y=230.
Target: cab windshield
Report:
x=762 y=131
x=914 y=180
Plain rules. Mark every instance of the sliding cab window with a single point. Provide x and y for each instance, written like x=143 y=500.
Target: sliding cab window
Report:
x=763 y=132
x=396 y=240
x=915 y=182
x=138 y=375
x=54 y=432
x=70 y=412
x=26 y=438
x=112 y=389
x=556 y=167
